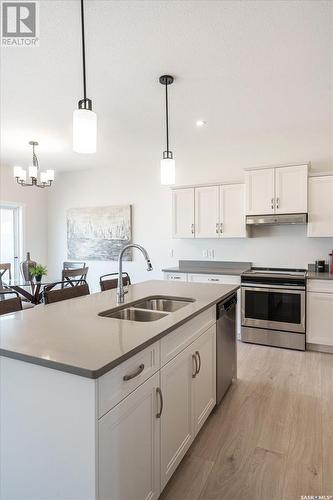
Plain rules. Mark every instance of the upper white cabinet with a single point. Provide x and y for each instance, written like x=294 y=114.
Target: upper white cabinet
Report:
x=321 y=206
x=291 y=189
x=209 y=212
x=183 y=213
x=207 y=216
x=279 y=190
x=260 y=191
x=232 y=211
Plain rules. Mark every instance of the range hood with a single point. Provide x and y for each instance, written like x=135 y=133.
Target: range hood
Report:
x=259 y=220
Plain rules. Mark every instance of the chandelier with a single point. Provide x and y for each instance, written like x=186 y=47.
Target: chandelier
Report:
x=37 y=178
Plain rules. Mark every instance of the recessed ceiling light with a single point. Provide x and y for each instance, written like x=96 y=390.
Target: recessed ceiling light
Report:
x=200 y=123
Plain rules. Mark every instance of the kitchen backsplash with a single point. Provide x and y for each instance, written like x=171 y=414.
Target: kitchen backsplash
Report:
x=280 y=246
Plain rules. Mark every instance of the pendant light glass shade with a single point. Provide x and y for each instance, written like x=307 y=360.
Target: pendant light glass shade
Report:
x=84 y=131
x=168 y=171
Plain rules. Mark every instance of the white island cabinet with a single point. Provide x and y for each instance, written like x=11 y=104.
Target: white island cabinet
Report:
x=118 y=437
x=129 y=447
x=189 y=395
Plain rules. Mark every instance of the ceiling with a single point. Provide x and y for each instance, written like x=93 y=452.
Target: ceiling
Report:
x=258 y=72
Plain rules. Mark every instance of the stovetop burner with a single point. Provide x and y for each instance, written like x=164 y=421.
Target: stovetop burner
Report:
x=276 y=271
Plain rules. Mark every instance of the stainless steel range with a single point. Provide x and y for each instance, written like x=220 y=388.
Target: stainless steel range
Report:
x=273 y=307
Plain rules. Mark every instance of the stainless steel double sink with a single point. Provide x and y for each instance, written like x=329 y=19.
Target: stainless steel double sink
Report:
x=147 y=309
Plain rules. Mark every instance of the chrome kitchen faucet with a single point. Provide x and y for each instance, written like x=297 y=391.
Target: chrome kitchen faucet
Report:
x=120 y=288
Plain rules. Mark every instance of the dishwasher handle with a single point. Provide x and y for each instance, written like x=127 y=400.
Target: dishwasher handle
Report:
x=224 y=307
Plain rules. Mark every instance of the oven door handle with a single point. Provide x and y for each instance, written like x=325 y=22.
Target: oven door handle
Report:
x=259 y=286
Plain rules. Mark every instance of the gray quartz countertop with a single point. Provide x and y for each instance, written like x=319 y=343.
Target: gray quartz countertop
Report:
x=312 y=275
x=71 y=337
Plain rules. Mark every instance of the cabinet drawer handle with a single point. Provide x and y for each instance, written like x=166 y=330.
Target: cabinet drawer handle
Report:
x=272 y=203
x=160 y=395
x=195 y=359
x=135 y=374
x=213 y=279
x=175 y=277
x=197 y=355
x=277 y=202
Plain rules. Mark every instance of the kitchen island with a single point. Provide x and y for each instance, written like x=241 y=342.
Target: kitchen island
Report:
x=94 y=407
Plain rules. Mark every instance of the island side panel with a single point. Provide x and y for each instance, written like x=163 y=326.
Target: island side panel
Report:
x=48 y=433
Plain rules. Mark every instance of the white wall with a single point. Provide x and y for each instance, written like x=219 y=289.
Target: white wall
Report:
x=34 y=208
x=276 y=246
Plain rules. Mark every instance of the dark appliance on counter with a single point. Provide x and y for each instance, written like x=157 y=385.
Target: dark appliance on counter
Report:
x=273 y=307
x=226 y=350
x=320 y=266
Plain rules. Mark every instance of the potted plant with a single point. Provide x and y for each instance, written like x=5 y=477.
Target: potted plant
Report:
x=38 y=272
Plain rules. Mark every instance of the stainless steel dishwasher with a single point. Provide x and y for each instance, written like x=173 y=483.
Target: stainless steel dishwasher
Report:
x=226 y=350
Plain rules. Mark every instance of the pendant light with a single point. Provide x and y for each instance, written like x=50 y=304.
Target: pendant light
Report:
x=168 y=173
x=84 y=118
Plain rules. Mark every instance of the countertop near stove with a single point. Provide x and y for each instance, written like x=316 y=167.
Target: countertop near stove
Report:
x=312 y=275
x=209 y=267
x=70 y=336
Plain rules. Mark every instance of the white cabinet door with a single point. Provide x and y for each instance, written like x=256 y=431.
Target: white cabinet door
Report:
x=232 y=211
x=319 y=318
x=321 y=206
x=129 y=447
x=291 y=189
x=183 y=213
x=207 y=212
x=260 y=191
x=204 y=383
x=176 y=418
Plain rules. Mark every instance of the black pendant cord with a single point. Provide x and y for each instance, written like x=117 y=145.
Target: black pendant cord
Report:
x=83 y=53
x=167 y=117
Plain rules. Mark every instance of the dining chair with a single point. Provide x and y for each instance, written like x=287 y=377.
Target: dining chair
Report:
x=68 y=276
x=109 y=284
x=6 y=267
x=73 y=265
x=78 y=289
x=9 y=305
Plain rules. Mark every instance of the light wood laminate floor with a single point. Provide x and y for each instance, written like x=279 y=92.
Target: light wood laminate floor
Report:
x=272 y=436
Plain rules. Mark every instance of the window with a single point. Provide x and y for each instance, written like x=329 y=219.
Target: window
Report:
x=10 y=236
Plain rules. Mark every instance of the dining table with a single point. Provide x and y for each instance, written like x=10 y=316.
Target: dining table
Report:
x=32 y=290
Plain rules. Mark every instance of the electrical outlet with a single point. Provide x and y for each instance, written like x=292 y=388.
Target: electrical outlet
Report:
x=205 y=253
